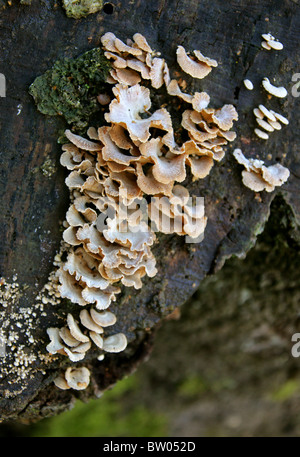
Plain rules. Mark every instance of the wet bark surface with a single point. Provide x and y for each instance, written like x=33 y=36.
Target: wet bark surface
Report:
x=33 y=202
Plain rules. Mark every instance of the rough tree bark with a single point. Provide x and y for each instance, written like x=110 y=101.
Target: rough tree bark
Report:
x=33 y=202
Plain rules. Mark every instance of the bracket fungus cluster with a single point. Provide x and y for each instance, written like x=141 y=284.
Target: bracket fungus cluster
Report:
x=269 y=42
x=110 y=225
x=73 y=378
x=257 y=176
x=268 y=120
x=71 y=341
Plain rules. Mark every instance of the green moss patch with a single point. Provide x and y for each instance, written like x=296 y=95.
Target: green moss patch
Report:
x=69 y=89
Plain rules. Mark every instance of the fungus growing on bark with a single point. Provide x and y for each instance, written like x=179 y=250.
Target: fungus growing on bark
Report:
x=197 y=66
x=73 y=378
x=248 y=84
x=280 y=92
x=259 y=177
x=109 y=241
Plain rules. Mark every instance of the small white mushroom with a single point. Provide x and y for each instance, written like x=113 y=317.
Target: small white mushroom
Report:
x=265 y=45
x=267 y=113
x=115 y=343
x=261 y=134
x=97 y=339
x=88 y=322
x=275 y=45
x=280 y=92
x=267 y=36
x=103 y=318
x=265 y=125
x=141 y=41
x=258 y=113
x=82 y=143
x=196 y=68
x=77 y=378
x=248 y=84
x=75 y=330
x=276 y=125
x=280 y=117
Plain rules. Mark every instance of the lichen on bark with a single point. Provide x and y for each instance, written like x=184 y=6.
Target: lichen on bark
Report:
x=81 y=8
x=69 y=89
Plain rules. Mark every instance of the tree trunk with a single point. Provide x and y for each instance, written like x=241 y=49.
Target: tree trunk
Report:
x=35 y=198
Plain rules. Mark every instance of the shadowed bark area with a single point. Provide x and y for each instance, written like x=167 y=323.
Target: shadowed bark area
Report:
x=35 y=199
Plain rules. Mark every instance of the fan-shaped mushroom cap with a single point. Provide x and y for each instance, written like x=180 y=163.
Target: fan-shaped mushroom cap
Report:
x=200 y=101
x=157 y=72
x=67 y=338
x=97 y=339
x=275 y=45
x=84 y=268
x=126 y=108
x=112 y=152
x=70 y=288
x=108 y=42
x=248 y=84
x=165 y=169
x=280 y=92
x=136 y=238
x=61 y=383
x=280 y=117
x=122 y=47
x=276 y=175
x=207 y=60
x=81 y=142
x=55 y=344
x=267 y=113
x=174 y=89
x=103 y=298
x=200 y=166
x=87 y=321
x=69 y=236
x=118 y=61
x=179 y=214
x=258 y=177
x=197 y=68
x=141 y=42
x=149 y=185
x=75 y=330
x=255 y=181
x=225 y=116
x=77 y=378
x=125 y=76
x=194 y=132
x=103 y=318
x=140 y=67
x=261 y=134
x=265 y=125
x=115 y=343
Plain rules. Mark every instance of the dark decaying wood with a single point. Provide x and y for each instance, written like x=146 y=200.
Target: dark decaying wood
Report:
x=32 y=38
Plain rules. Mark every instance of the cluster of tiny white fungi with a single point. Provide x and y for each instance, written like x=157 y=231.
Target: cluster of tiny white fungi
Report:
x=257 y=176
x=268 y=120
x=119 y=164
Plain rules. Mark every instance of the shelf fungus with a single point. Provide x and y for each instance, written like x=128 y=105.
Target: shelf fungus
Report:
x=271 y=42
x=110 y=226
x=259 y=177
x=73 y=378
x=198 y=66
x=248 y=84
x=268 y=121
x=280 y=92
x=75 y=339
